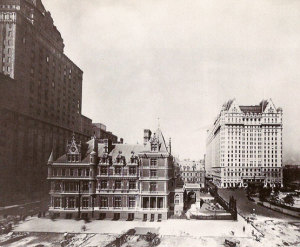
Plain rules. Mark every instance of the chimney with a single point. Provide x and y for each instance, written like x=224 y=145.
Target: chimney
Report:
x=121 y=140
x=147 y=135
x=170 y=148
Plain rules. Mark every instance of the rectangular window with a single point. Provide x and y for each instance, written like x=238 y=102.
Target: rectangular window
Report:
x=87 y=172
x=118 y=184
x=153 y=162
x=131 y=202
x=103 y=202
x=85 y=186
x=132 y=185
x=103 y=171
x=132 y=170
x=103 y=184
x=154 y=146
x=56 y=202
x=152 y=186
x=71 y=202
x=153 y=173
x=118 y=170
x=85 y=202
x=63 y=172
x=71 y=172
x=117 y=202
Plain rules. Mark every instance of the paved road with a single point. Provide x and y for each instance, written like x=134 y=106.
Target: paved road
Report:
x=245 y=207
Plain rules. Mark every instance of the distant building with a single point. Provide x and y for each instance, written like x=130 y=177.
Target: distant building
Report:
x=113 y=181
x=244 y=145
x=101 y=133
x=192 y=172
x=41 y=98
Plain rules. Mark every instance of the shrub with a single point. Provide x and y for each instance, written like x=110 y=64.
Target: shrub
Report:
x=289 y=199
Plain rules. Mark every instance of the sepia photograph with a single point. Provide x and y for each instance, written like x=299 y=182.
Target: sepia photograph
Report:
x=143 y=123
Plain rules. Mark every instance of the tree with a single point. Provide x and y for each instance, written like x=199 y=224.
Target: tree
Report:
x=289 y=199
x=264 y=193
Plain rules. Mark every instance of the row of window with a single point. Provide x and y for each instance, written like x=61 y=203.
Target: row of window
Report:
x=80 y=172
x=117 y=170
x=117 y=184
x=72 y=202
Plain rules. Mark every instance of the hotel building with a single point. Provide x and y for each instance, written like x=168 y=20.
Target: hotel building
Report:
x=245 y=145
x=113 y=181
x=41 y=98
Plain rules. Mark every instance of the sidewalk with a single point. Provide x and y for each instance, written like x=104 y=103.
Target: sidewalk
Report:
x=172 y=227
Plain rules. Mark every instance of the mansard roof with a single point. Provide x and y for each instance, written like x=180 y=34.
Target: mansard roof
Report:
x=254 y=109
x=251 y=109
x=126 y=150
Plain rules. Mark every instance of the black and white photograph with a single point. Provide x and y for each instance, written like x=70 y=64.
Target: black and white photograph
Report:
x=144 y=123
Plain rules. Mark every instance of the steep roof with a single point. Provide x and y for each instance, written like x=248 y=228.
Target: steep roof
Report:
x=251 y=109
x=126 y=150
x=161 y=140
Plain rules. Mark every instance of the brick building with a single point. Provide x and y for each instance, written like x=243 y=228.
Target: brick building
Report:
x=113 y=181
x=244 y=145
x=41 y=97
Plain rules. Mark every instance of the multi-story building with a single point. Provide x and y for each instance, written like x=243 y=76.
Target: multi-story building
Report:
x=113 y=181
x=100 y=132
x=41 y=97
x=192 y=171
x=245 y=145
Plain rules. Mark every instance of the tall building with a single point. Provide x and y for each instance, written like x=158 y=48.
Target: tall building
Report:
x=113 y=181
x=41 y=97
x=245 y=145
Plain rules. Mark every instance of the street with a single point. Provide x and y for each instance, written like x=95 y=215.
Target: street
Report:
x=245 y=207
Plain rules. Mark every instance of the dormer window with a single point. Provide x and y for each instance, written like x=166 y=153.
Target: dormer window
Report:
x=154 y=147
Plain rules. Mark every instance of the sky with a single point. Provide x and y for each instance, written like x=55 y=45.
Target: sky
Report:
x=180 y=60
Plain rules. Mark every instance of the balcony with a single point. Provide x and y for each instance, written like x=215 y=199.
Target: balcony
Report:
x=154 y=192
x=155 y=209
x=117 y=191
x=116 y=209
x=70 y=191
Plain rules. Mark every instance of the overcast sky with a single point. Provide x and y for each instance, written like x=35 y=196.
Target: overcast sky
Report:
x=180 y=61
